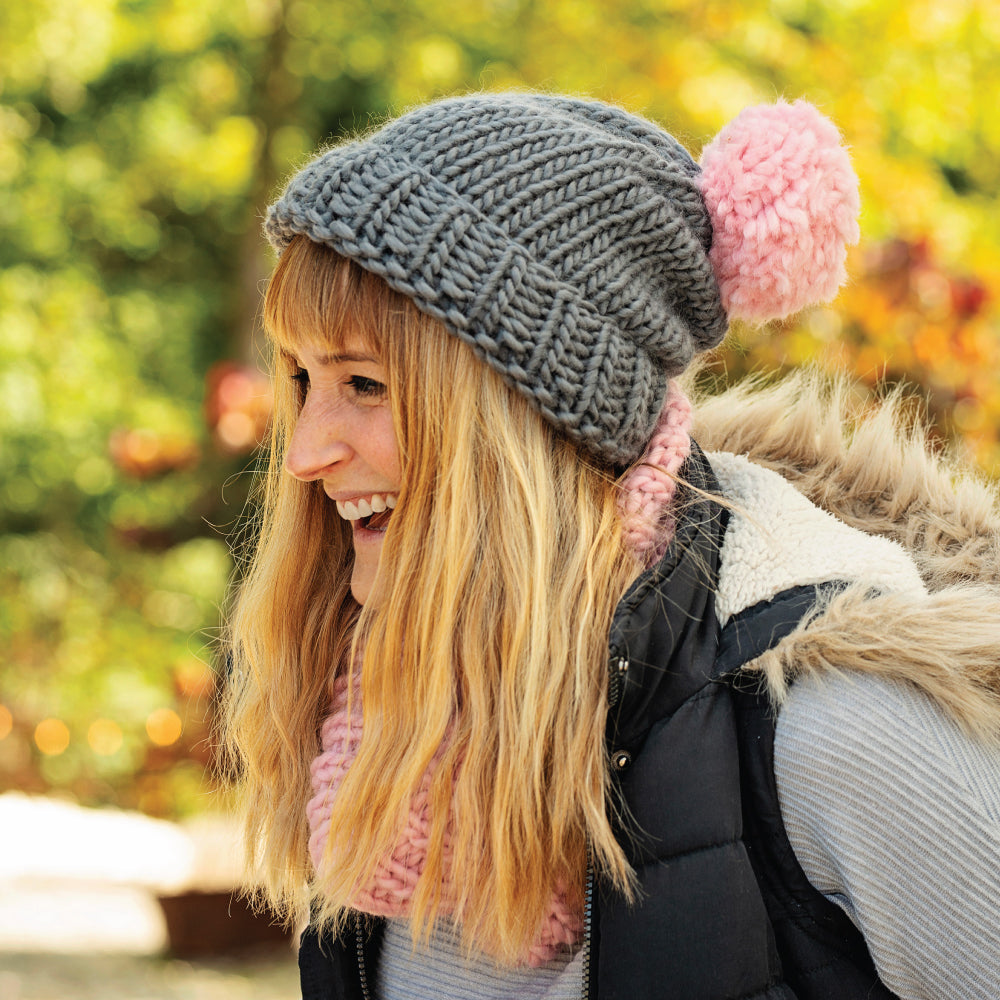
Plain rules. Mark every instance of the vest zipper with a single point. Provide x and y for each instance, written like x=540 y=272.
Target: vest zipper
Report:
x=359 y=938
x=616 y=681
x=616 y=678
x=588 y=918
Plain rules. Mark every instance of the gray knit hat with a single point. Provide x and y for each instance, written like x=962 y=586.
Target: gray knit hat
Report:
x=566 y=241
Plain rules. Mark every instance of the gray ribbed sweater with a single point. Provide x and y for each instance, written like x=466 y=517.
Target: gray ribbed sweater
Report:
x=894 y=814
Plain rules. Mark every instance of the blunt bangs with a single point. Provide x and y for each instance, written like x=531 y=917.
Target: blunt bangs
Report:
x=318 y=297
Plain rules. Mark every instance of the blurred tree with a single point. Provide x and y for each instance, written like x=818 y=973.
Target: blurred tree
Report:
x=128 y=149
x=140 y=141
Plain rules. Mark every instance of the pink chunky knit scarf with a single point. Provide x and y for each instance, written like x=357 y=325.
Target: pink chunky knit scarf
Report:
x=648 y=524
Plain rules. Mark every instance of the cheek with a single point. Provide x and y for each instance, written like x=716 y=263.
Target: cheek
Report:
x=385 y=451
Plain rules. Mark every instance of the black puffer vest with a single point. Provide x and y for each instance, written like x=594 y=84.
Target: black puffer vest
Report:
x=724 y=909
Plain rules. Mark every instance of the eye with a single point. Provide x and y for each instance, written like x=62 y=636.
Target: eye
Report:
x=367 y=387
x=301 y=377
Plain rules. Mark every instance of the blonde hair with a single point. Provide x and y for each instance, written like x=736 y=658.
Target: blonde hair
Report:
x=499 y=575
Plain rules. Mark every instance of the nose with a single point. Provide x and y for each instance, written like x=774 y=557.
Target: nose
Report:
x=315 y=447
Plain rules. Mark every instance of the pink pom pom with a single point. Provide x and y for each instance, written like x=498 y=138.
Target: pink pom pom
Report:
x=784 y=202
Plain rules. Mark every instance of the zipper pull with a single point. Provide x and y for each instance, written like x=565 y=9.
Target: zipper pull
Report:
x=616 y=680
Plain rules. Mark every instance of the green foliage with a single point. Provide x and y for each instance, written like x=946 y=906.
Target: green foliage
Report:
x=129 y=158
x=140 y=141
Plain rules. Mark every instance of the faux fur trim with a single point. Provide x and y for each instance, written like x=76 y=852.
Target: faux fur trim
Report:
x=871 y=466
x=947 y=644
x=777 y=539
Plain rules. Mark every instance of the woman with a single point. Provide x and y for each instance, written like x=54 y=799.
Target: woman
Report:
x=490 y=701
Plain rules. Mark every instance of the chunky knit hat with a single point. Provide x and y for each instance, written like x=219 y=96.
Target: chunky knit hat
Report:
x=571 y=243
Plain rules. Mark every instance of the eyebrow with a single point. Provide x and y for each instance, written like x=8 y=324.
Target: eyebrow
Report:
x=336 y=359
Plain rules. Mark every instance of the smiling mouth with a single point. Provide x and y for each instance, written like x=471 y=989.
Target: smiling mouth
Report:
x=369 y=513
x=377 y=522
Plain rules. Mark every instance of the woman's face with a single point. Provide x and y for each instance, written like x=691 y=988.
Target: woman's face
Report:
x=345 y=438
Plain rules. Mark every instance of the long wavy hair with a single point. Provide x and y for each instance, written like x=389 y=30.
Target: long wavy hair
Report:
x=499 y=574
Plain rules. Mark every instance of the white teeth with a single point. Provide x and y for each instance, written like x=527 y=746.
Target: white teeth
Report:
x=354 y=510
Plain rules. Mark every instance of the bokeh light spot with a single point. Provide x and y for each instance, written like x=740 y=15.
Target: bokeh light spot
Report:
x=236 y=430
x=164 y=727
x=193 y=677
x=105 y=737
x=52 y=737
x=969 y=415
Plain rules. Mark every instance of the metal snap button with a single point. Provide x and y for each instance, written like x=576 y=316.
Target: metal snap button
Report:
x=621 y=759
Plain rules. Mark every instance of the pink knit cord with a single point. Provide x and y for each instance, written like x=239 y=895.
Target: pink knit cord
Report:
x=648 y=489
x=645 y=511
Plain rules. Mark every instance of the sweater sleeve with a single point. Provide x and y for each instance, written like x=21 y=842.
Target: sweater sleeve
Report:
x=893 y=812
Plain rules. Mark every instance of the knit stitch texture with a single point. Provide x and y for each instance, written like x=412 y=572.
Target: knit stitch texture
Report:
x=390 y=891
x=566 y=241
x=578 y=249
x=648 y=488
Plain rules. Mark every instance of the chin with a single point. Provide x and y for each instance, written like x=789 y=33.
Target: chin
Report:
x=362 y=590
